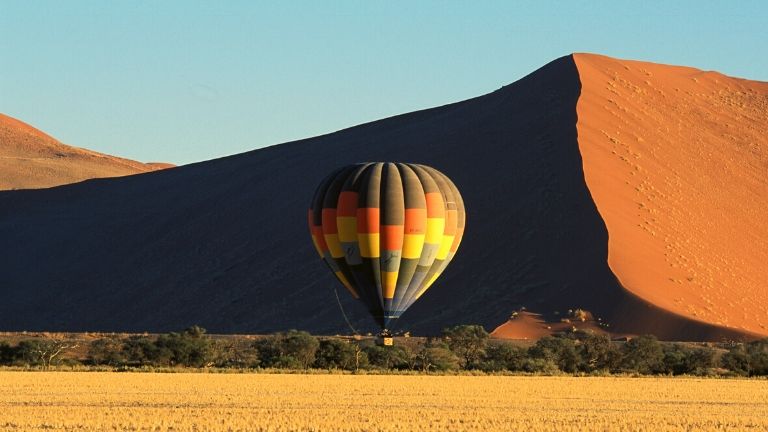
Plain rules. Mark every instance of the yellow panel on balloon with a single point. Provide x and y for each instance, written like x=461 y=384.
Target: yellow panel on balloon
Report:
x=369 y=245
x=445 y=247
x=332 y=240
x=412 y=245
x=435 y=228
x=347 y=228
x=389 y=282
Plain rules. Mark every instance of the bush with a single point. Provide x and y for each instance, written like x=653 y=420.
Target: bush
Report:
x=388 y=357
x=503 y=356
x=643 y=354
x=107 y=351
x=8 y=354
x=139 y=350
x=188 y=348
x=340 y=354
x=736 y=360
x=560 y=351
x=291 y=350
x=234 y=354
x=436 y=357
x=680 y=359
x=540 y=365
x=749 y=359
x=598 y=353
x=758 y=357
x=468 y=342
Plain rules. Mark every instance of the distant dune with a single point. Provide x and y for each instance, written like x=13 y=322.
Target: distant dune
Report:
x=634 y=191
x=31 y=159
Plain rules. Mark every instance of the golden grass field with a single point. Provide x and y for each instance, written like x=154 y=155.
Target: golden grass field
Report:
x=260 y=402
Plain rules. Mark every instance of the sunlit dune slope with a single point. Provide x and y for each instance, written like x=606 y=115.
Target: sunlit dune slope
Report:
x=676 y=160
x=31 y=159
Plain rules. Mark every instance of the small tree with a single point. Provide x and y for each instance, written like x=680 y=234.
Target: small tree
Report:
x=336 y=354
x=643 y=354
x=597 y=352
x=292 y=350
x=559 y=350
x=269 y=349
x=107 y=351
x=140 y=350
x=234 y=354
x=468 y=342
x=437 y=357
x=736 y=360
x=8 y=353
x=503 y=356
x=189 y=348
x=302 y=346
x=45 y=352
x=387 y=357
x=758 y=357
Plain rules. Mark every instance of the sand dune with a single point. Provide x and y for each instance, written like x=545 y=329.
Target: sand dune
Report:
x=554 y=218
x=676 y=160
x=31 y=159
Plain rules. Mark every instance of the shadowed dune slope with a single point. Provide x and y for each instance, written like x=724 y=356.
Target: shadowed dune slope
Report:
x=31 y=159
x=676 y=160
x=224 y=243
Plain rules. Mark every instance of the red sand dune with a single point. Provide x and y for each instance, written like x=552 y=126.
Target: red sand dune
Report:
x=527 y=325
x=31 y=159
x=676 y=160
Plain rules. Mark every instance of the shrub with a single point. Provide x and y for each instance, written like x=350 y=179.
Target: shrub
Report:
x=292 y=350
x=643 y=354
x=139 y=350
x=758 y=357
x=8 y=354
x=340 y=354
x=107 y=351
x=598 y=353
x=188 y=348
x=387 y=357
x=503 y=356
x=436 y=357
x=468 y=342
x=559 y=350
x=680 y=359
x=540 y=365
x=234 y=354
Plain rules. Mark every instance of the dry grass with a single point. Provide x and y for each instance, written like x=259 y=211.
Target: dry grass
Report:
x=181 y=402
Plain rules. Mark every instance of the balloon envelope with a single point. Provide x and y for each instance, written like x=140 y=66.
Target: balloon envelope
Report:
x=387 y=231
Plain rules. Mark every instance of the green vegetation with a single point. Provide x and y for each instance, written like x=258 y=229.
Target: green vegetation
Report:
x=461 y=348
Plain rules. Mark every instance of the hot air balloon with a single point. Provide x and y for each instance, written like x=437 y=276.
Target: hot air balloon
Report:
x=387 y=231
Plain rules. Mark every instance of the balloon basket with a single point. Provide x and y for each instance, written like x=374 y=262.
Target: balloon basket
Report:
x=385 y=339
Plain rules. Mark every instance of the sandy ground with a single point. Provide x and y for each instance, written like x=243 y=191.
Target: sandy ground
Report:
x=676 y=160
x=31 y=159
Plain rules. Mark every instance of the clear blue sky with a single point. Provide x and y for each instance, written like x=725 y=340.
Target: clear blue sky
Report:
x=184 y=81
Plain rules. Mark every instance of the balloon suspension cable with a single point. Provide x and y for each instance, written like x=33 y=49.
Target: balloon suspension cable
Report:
x=338 y=300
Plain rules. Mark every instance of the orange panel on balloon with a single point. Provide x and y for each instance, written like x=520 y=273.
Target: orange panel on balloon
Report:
x=392 y=237
x=368 y=220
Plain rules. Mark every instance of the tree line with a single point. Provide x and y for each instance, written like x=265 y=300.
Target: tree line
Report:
x=464 y=347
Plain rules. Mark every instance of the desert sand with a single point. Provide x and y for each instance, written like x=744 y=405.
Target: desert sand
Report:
x=32 y=159
x=527 y=325
x=676 y=160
